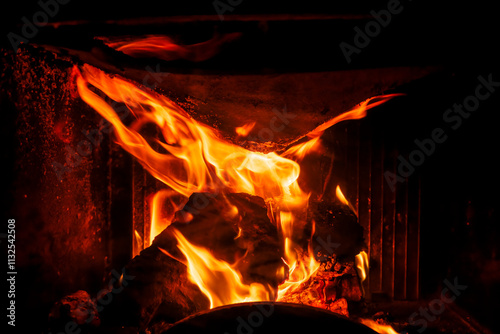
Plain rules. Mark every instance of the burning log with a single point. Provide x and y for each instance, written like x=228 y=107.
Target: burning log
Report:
x=337 y=239
x=240 y=232
x=159 y=282
x=337 y=231
x=239 y=229
x=264 y=318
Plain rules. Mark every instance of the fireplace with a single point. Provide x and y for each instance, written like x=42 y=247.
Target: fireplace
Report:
x=392 y=220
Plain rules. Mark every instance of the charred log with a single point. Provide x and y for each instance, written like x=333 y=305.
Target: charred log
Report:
x=239 y=231
x=337 y=232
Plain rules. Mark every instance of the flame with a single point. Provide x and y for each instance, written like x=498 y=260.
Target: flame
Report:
x=300 y=151
x=191 y=157
x=244 y=130
x=362 y=266
x=160 y=221
x=378 y=327
x=300 y=268
x=341 y=196
x=198 y=160
x=357 y=112
x=138 y=244
x=343 y=200
x=217 y=279
x=164 y=47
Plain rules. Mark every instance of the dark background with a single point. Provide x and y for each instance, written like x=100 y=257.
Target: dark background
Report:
x=455 y=33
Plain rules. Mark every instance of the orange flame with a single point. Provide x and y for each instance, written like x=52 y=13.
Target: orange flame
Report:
x=152 y=45
x=358 y=112
x=217 y=279
x=343 y=200
x=192 y=157
x=341 y=196
x=198 y=160
x=361 y=261
x=378 y=327
x=160 y=220
x=138 y=245
x=362 y=266
x=300 y=267
x=164 y=47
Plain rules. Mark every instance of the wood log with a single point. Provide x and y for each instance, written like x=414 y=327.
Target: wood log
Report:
x=337 y=239
x=337 y=232
x=233 y=227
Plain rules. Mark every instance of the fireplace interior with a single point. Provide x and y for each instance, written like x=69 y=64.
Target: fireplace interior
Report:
x=411 y=182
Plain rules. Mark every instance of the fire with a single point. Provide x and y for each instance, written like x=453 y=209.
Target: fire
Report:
x=164 y=47
x=343 y=200
x=362 y=266
x=361 y=262
x=341 y=196
x=244 y=130
x=192 y=157
x=155 y=45
x=138 y=244
x=198 y=160
x=160 y=220
x=217 y=279
x=378 y=327
x=300 y=268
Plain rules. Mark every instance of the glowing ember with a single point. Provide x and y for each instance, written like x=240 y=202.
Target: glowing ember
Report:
x=193 y=158
x=244 y=130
